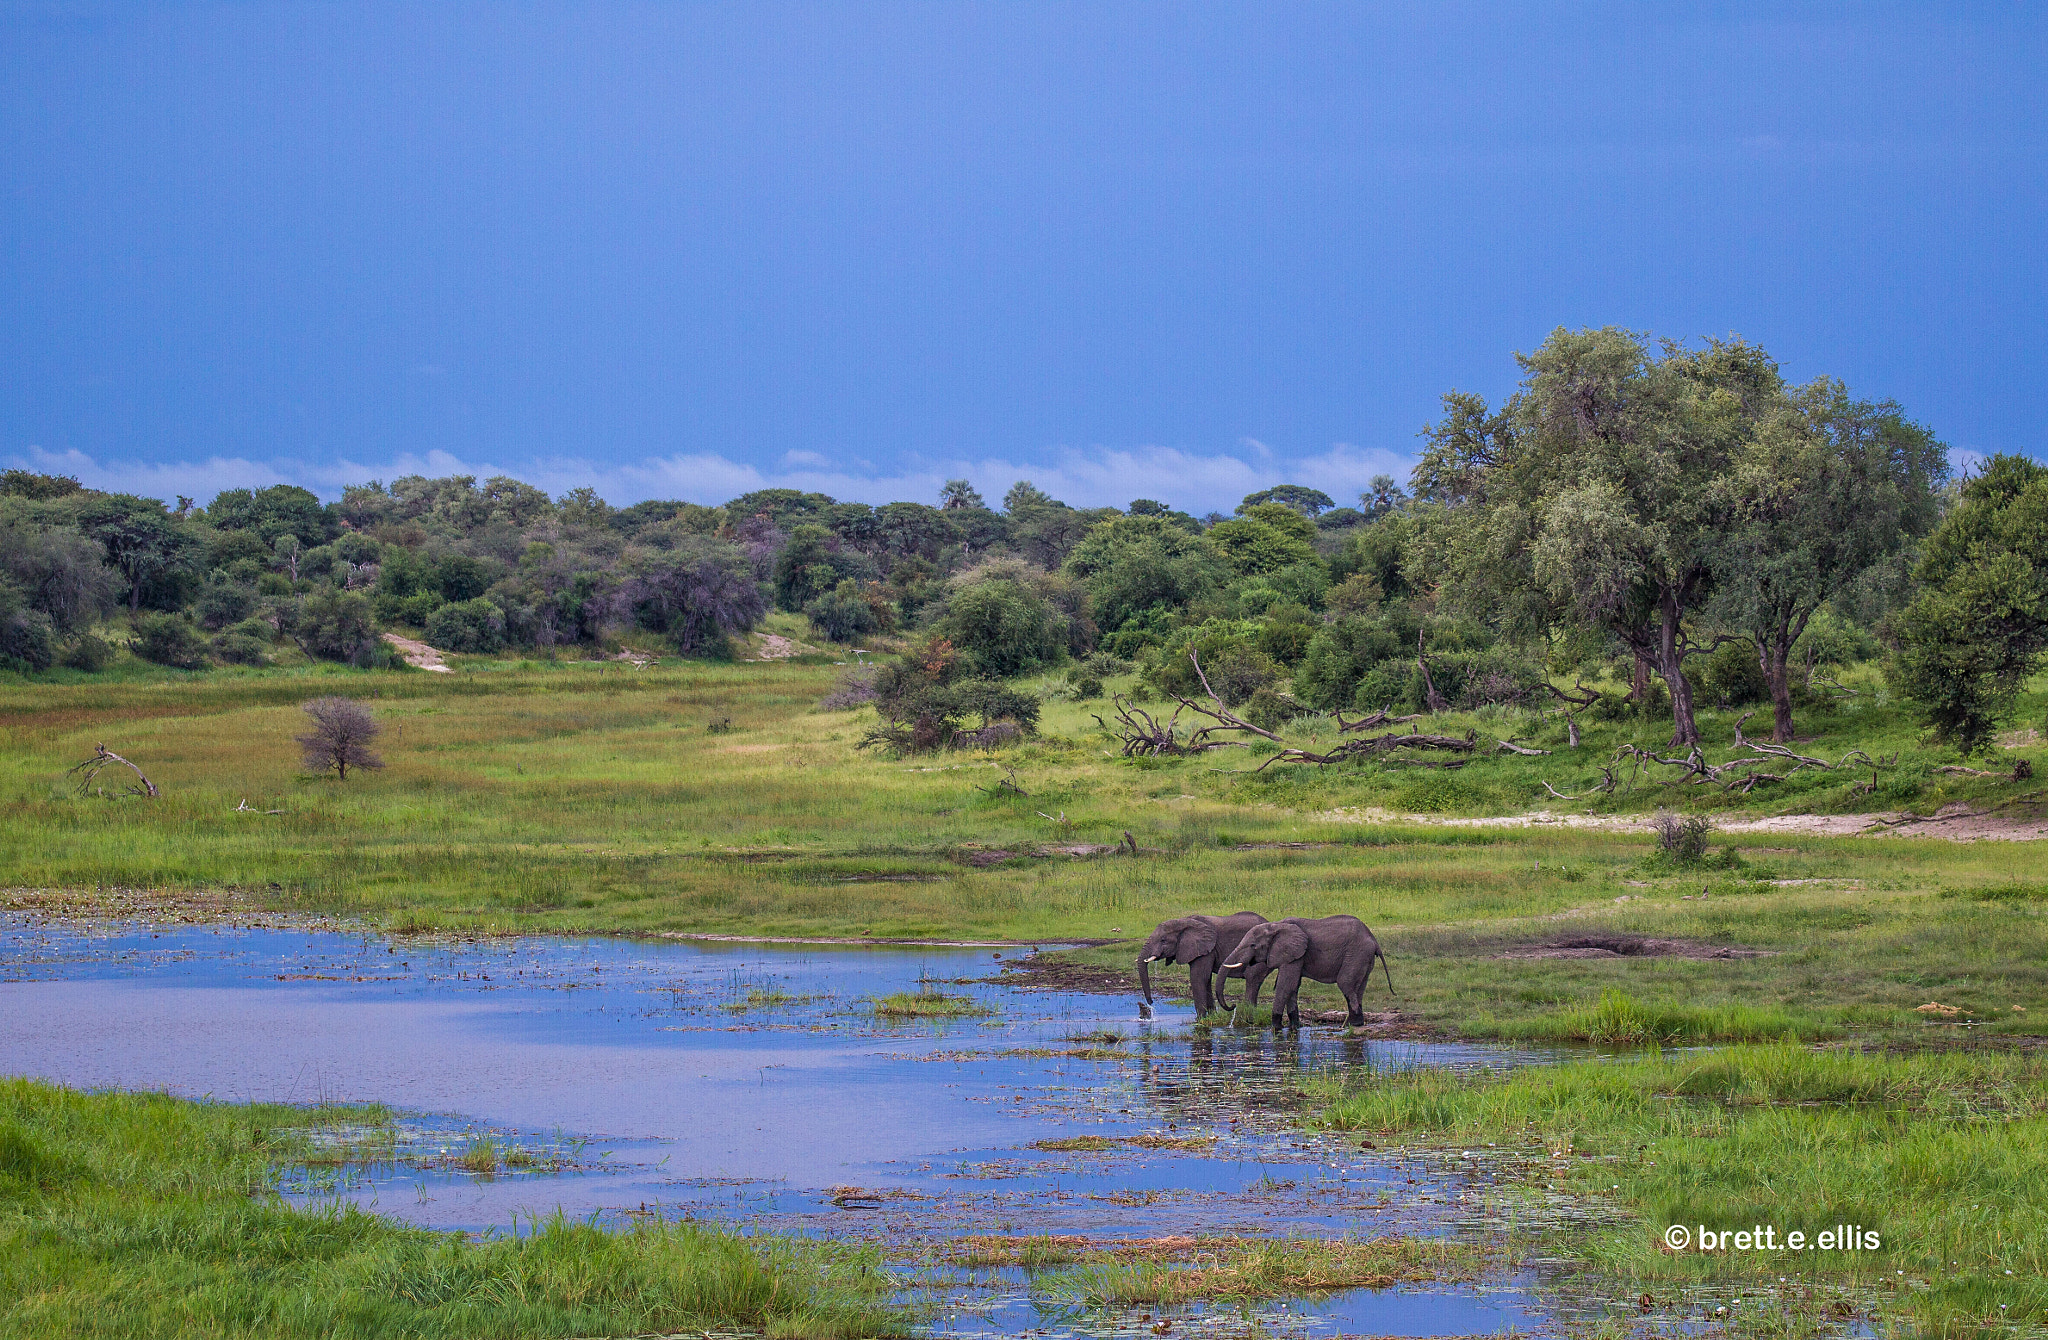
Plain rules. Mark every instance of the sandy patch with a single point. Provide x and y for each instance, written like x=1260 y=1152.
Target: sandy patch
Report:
x=418 y=654
x=1953 y=823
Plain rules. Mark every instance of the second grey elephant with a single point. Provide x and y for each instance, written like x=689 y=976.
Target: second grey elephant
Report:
x=1200 y=942
x=1335 y=949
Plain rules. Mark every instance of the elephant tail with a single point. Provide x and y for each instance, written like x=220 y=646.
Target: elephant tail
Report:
x=1389 y=972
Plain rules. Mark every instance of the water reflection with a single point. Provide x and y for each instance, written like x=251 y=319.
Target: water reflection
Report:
x=751 y=1084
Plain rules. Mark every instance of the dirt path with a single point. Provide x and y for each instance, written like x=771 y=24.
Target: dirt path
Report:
x=418 y=654
x=1953 y=823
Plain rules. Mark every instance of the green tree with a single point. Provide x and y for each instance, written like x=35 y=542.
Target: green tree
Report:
x=1266 y=538
x=141 y=539
x=283 y=509
x=1142 y=562
x=1830 y=489
x=1307 y=501
x=1602 y=493
x=1977 y=631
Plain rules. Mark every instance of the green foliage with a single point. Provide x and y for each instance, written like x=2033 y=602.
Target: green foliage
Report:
x=169 y=639
x=337 y=626
x=476 y=625
x=1000 y=617
x=89 y=652
x=1978 y=630
x=843 y=614
x=283 y=509
x=1135 y=566
x=1729 y=676
x=1307 y=501
x=1264 y=539
x=814 y=562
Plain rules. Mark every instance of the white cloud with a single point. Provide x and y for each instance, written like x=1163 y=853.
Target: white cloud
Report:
x=1094 y=477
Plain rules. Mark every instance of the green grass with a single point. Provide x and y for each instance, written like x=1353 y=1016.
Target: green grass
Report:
x=138 y=1214
x=526 y=797
x=1938 y=1154
x=927 y=1005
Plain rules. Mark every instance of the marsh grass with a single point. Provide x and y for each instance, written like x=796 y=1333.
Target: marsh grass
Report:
x=1618 y=1019
x=927 y=1004
x=1938 y=1153
x=1183 y=1270
x=139 y=1214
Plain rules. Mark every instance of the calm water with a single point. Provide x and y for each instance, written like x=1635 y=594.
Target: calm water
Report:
x=756 y=1085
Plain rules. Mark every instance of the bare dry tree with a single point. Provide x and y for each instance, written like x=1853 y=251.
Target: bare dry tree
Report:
x=340 y=739
x=101 y=757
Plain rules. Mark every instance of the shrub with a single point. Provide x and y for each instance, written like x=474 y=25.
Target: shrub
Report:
x=1084 y=685
x=1682 y=838
x=223 y=603
x=468 y=626
x=1003 y=626
x=237 y=647
x=337 y=626
x=169 y=639
x=26 y=640
x=89 y=652
x=1729 y=676
x=842 y=614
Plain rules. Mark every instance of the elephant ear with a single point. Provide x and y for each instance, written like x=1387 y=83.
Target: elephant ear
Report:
x=1289 y=944
x=1198 y=939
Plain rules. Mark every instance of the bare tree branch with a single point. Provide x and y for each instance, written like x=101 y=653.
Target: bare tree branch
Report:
x=101 y=757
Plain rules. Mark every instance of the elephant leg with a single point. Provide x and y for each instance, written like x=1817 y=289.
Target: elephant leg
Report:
x=1354 y=1008
x=1287 y=996
x=1198 y=985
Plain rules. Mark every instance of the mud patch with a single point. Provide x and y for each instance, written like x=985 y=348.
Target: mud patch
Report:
x=1047 y=974
x=1630 y=946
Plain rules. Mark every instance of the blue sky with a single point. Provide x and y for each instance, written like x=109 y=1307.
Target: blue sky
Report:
x=1169 y=250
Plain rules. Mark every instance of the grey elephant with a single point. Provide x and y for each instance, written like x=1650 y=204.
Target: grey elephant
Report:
x=1200 y=942
x=1335 y=949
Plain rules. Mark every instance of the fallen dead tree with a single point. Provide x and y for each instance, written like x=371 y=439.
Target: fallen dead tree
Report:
x=1379 y=745
x=101 y=757
x=1144 y=735
x=1741 y=774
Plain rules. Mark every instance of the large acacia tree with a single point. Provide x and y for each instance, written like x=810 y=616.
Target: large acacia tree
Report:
x=1601 y=493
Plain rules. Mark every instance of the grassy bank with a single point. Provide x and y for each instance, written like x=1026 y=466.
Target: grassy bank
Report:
x=137 y=1214
x=1938 y=1155
x=594 y=796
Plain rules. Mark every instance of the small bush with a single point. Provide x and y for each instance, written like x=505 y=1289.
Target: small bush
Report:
x=1682 y=838
x=237 y=648
x=1270 y=709
x=1103 y=665
x=1438 y=793
x=843 y=614
x=169 y=639
x=26 y=641
x=1085 y=686
x=856 y=688
x=89 y=652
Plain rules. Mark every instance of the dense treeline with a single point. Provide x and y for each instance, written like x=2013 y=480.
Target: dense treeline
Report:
x=1672 y=521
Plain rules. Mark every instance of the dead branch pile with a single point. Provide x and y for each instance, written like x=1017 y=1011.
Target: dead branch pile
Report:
x=1741 y=774
x=1143 y=734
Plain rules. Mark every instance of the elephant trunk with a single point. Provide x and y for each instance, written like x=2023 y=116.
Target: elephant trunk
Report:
x=1145 y=978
